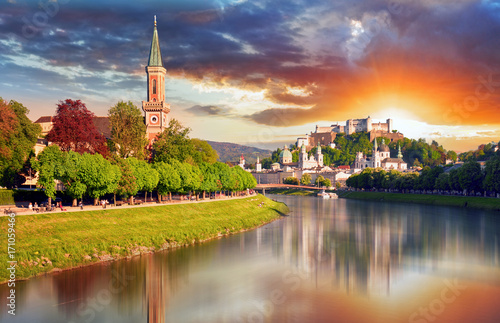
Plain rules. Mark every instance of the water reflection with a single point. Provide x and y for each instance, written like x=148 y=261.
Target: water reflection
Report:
x=341 y=260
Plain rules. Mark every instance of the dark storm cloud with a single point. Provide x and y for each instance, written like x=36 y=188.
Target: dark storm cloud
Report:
x=261 y=45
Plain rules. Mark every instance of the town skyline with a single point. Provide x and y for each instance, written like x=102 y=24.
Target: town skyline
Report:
x=262 y=73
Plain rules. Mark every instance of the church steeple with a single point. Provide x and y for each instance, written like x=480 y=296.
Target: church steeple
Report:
x=400 y=155
x=155 y=52
x=155 y=108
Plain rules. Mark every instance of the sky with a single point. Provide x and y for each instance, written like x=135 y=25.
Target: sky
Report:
x=263 y=73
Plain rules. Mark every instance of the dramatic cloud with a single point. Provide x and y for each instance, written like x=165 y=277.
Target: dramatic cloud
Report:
x=306 y=61
x=209 y=110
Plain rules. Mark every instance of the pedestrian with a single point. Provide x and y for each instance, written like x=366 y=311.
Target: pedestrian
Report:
x=30 y=206
x=81 y=205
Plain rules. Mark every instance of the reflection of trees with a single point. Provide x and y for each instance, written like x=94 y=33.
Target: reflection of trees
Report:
x=150 y=280
x=362 y=247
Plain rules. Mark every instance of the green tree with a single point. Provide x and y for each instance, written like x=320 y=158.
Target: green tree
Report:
x=470 y=176
x=71 y=176
x=147 y=177
x=306 y=179
x=47 y=164
x=443 y=182
x=203 y=152
x=291 y=180
x=128 y=130
x=492 y=175
x=210 y=178
x=319 y=180
x=18 y=136
x=169 y=180
x=99 y=175
x=326 y=182
x=127 y=184
x=173 y=144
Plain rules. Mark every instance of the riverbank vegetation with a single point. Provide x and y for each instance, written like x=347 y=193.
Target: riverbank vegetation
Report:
x=176 y=164
x=292 y=191
x=442 y=200
x=45 y=242
x=468 y=179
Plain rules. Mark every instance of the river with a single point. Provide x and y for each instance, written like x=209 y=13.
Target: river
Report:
x=327 y=261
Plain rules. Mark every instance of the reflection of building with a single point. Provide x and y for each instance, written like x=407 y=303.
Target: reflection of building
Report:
x=155 y=108
x=155 y=293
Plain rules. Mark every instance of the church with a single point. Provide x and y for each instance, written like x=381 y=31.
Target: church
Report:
x=155 y=108
x=381 y=157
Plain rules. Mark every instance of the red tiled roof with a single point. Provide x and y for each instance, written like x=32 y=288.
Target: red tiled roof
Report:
x=44 y=119
x=103 y=126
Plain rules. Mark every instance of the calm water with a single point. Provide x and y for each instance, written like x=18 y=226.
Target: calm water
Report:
x=328 y=261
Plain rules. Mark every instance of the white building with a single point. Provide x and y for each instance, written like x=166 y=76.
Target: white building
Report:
x=306 y=162
x=380 y=158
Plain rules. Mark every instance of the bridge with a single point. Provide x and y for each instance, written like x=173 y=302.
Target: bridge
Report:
x=261 y=187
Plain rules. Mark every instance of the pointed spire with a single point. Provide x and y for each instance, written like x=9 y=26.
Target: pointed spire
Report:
x=375 y=147
x=400 y=155
x=154 y=52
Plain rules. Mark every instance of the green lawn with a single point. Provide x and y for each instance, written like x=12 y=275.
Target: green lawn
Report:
x=292 y=191
x=445 y=200
x=64 y=240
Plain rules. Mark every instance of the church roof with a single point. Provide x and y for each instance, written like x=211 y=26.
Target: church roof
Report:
x=384 y=148
x=286 y=154
x=154 y=52
x=393 y=160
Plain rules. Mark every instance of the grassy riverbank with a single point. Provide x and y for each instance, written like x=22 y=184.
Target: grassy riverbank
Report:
x=444 y=200
x=292 y=191
x=48 y=242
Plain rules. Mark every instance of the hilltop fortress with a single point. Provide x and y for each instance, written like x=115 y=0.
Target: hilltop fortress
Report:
x=325 y=136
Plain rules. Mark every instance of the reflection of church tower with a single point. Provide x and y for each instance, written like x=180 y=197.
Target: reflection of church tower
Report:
x=155 y=293
x=155 y=108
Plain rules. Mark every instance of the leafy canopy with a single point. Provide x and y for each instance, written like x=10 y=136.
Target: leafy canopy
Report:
x=73 y=129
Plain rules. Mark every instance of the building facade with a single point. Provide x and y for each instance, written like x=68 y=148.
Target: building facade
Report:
x=381 y=157
x=325 y=136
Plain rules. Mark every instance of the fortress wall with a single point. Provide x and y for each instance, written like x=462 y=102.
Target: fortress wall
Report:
x=392 y=136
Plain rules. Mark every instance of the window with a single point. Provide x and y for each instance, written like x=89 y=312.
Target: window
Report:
x=154 y=86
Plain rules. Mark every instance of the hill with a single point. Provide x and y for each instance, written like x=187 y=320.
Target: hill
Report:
x=231 y=152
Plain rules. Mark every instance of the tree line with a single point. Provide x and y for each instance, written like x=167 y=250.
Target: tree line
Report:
x=88 y=164
x=467 y=179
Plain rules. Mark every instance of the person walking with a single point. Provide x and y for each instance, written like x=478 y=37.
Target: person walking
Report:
x=81 y=205
x=30 y=206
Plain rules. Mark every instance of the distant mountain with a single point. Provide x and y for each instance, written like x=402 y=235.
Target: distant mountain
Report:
x=231 y=152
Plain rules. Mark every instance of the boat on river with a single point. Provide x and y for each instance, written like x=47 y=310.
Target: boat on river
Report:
x=326 y=195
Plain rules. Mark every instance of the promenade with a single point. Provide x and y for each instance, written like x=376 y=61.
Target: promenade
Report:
x=88 y=207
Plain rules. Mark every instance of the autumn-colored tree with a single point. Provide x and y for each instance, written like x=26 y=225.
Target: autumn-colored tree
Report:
x=73 y=129
x=18 y=136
